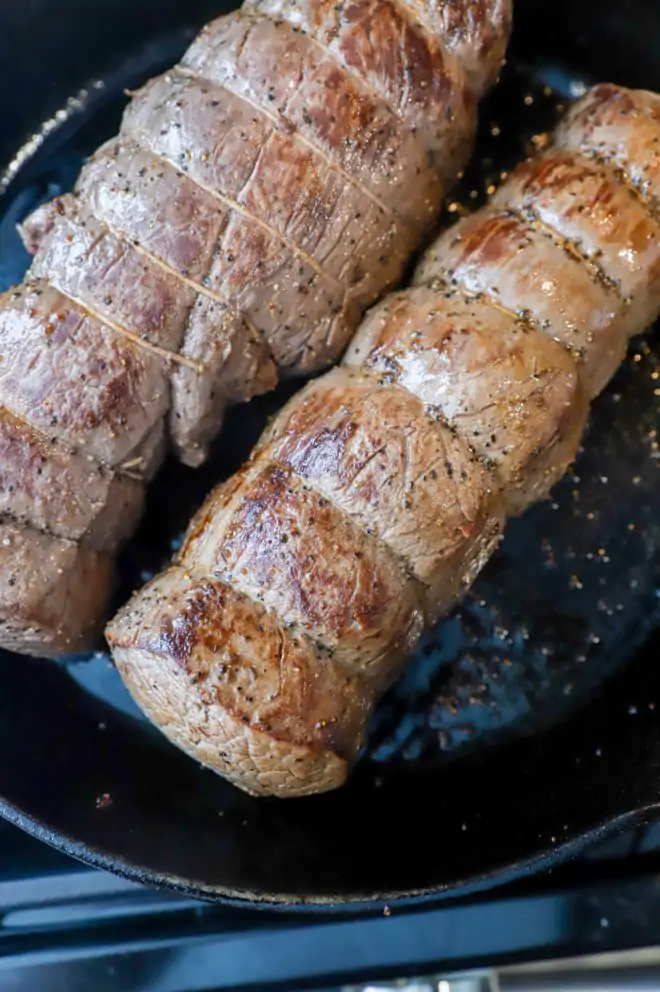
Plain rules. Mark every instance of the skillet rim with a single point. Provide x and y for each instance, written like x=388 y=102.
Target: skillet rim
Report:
x=363 y=904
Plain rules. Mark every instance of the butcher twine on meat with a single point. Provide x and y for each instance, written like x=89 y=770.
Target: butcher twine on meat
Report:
x=258 y=198
x=381 y=489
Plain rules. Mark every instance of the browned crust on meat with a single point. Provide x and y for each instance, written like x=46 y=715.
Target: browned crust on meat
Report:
x=513 y=393
x=239 y=692
x=53 y=593
x=126 y=186
x=75 y=378
x=287 y=77
x=387 y=47
x=60 y=491
x=249 y=758
x=375 y=452
x=526 y=270
x=84 y=259
x=475 y=31
x=289 y=548
x=237 y=655
x=600 y=218
x=620 y=127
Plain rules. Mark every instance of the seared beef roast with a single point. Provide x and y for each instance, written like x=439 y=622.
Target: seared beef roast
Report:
x=380 y=490
x=258 y=198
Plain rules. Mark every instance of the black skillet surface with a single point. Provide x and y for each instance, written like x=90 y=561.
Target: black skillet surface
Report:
x=528 y=721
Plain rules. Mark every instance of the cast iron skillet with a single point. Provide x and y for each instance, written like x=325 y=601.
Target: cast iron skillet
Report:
x=529 y=720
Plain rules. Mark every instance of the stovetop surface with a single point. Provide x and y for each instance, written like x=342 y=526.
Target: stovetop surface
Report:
x=71 y=928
